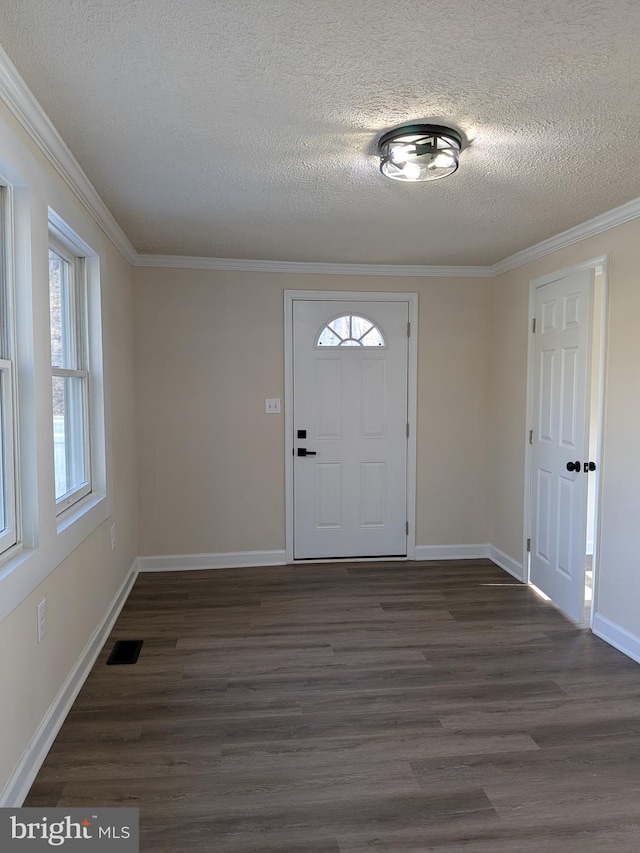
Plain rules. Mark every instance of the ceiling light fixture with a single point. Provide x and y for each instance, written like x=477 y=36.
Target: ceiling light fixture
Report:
x=419 y=152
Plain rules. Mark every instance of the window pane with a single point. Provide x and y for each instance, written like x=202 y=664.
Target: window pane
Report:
x=8 y=533
x=359 y=326
x=351 y=330
x=328 y=338
x=60 y=299
x=373 y=339
x=69 y=433
x=3 y=484
x=341 y=326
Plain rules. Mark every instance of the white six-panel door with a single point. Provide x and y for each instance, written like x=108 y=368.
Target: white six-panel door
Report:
x=560 y=439
x=350 y=404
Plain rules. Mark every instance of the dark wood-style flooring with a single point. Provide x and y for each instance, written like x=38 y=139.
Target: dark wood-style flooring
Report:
x=356 y=708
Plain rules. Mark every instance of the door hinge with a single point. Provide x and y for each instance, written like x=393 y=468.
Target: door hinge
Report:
x=528 y=544
x=406 y=528
x=530 y=436
x=533 y=326
x=408 y=330
x=407 y=430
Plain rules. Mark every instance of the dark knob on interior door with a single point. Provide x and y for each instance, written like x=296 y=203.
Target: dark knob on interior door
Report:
x=573 y=466
x=589 y=466
x=302 y=451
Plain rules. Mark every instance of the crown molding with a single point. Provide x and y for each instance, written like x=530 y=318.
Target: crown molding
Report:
x=603 y=222
x=26 y=109
x=246 y=265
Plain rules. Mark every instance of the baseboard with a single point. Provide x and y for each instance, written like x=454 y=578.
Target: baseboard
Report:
x=229 y=560
x=471 y=552
x=248 y=559
x=506 y=562
x=451 y=552
x=34 y=755
x=616 y=636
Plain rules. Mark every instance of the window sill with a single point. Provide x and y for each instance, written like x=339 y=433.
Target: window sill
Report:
x=80 y=509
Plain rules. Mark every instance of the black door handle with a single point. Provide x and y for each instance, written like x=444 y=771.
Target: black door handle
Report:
x=302 y=451
x=573 y=466
x=588 y=466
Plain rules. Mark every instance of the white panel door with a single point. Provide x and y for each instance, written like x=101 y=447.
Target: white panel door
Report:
x=561 y=440
x=350 y=410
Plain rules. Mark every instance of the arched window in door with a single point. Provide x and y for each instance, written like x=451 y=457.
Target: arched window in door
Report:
x=351 y=330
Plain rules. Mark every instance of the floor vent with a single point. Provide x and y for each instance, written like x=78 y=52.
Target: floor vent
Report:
x=125 y=651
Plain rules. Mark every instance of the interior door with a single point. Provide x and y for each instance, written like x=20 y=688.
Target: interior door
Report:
x=563 y=311
x=350 y=362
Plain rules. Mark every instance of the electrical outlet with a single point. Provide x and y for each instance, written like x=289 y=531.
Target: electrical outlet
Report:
x=42 y=619
x=113 y=537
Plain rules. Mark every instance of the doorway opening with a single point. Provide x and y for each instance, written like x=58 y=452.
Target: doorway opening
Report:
x=595 y=443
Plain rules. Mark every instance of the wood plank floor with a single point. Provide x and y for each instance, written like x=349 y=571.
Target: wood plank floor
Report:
x=356 y=708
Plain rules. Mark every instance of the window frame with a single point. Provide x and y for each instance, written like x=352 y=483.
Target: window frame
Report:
x=9 y=531
x=78 y=333
x=44 y=539
x=344 y=342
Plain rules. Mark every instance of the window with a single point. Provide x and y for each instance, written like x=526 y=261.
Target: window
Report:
x=8 y=525
x=350 y=330
x=70 y=375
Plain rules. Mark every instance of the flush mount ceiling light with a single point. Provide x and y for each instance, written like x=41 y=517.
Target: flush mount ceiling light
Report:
x=419 y=152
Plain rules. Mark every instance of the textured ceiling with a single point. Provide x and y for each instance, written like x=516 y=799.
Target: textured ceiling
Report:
x=247 y=128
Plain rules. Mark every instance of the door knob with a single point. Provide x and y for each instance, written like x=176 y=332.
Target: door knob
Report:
x=573 y=466
x=302 y=451
x=589 y=466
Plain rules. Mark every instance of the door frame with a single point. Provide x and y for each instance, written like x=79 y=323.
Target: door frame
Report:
x=412 y=403
x=598 y=264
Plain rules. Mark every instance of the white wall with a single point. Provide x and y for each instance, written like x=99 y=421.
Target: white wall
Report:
x=79 y=582
x=209 y=350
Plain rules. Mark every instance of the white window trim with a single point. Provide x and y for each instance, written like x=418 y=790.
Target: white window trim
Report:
x=9 y=533
x=374 y=326
x=73 y=254
x=62 y=237
x=44 y=539
x=82 y=517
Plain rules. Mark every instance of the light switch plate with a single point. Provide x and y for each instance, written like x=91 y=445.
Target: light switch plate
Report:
x=272 y=406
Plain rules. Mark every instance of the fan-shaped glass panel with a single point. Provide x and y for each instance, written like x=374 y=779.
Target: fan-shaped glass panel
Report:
x=351 y=330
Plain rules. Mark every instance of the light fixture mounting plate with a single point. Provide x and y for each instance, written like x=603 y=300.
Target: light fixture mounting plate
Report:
x=421 y=130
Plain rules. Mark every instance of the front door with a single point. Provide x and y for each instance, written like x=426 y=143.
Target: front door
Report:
x=563 y=312
x=350 y=362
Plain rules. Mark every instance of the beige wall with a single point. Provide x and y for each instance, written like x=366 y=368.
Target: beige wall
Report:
x=618 y=581
x=209 y=350
x=81 y=587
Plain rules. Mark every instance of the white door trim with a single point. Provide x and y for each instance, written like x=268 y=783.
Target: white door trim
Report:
x=412 y=398
x=600 y=263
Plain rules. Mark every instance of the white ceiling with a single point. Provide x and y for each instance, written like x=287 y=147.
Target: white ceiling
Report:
x=247 y=128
